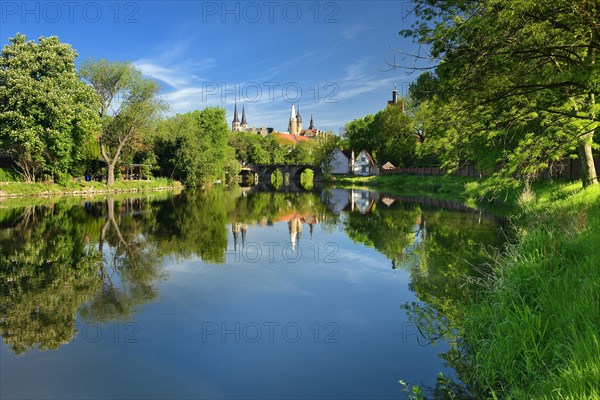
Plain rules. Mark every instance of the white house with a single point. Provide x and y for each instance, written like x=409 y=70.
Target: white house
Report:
x=364 y=164
x=340 y=161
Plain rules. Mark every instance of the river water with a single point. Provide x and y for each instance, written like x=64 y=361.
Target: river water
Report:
x=234 y=294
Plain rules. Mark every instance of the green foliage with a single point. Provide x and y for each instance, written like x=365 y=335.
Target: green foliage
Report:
x=389 y=135
x=324 y=148
x=255 y=149
x=277 y=178
x=307 y=179
x=193 y=147
x=9 y=175
x=360 y=134
x=125 y=126
x=47 y=115
x=85 y=188
x=516 y=85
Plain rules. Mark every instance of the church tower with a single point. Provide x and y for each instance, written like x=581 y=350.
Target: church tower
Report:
x=395 y=101
x=299 y=120
x=235 y=124
x=244 y=123
x=292 y=127
x=312 y=123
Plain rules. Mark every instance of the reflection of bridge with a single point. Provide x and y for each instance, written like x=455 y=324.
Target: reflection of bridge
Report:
x=291 y=173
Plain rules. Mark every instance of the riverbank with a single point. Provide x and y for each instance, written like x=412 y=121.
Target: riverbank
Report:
x=82 y=188
x=534 y=330
x=445 y=187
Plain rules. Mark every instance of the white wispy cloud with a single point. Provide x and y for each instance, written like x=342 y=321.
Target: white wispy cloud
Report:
x=351 y=31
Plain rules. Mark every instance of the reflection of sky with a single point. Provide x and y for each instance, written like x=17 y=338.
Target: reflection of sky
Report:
x=358 y=293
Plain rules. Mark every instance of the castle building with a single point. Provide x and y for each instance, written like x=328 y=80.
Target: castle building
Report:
x=295 y=128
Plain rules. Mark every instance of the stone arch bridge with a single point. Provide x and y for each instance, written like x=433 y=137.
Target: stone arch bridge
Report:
x=291 y=173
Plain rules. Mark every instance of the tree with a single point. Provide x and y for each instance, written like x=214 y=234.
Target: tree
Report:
x=389 y=135
x=394 y=134
x=360 y=133
x=303 y=153
x=128 y=103
x=522 y=75
x=47 y=115
x=324 y=148
x=193 y=147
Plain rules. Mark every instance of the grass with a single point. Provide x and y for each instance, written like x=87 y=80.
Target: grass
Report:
x=534 y=331
x=447 y=187
x=79 y=187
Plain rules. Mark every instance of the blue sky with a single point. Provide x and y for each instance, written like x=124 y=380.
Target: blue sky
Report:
x=329 y=55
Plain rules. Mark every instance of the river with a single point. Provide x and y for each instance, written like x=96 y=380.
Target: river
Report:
x=234 y=294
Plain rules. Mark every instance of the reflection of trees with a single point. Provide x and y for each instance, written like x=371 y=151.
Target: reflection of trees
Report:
x=391 y=231
x=50 y=269
x=131 y=260
x=47 y=272
x=195 y=223
x=269 y=207
x=440 y=249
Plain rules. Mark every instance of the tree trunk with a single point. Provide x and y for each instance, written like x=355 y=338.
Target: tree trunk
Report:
x=588 y=169
x=111 y=174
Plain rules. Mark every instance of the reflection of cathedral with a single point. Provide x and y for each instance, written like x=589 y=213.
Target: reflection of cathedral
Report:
x=295 y=228
x=236 y=229
x=294 y=222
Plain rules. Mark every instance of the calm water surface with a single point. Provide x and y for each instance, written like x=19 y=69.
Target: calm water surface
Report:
x=232 y=294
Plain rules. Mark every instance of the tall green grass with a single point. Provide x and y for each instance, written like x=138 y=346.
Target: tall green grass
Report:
x=534 y=332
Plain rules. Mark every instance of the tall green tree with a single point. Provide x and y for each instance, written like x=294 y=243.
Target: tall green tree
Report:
x=360 y=133
x=128 y=104
x=47 y=115
x=395 y=137
x=389 y=135
x=193 y=147
x=519 y=80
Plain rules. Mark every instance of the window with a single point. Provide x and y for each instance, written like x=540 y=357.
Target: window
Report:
x=365 y=168
x=363 y=159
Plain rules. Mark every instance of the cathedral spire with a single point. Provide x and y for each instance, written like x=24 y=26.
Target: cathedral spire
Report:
x=235 y=124
x=298 y=116
x=244 y=116
x=235 y=114
x=312 y=123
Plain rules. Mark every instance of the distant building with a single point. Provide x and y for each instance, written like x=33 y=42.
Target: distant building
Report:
x=340 y=161
x=396 y=102
x=295 y=132
x=344 y=162
x=364 y=164
x=388 y=165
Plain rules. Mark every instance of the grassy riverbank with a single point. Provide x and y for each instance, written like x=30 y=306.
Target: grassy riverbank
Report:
x=534 y=332
x=448 y=187
x=21 y=189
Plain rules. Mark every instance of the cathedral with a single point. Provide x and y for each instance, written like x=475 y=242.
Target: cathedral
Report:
x=294 y=125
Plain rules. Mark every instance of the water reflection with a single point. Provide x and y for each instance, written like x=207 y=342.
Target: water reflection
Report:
x=102 y=261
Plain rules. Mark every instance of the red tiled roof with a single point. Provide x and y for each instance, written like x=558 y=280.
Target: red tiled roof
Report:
x=290 y=138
